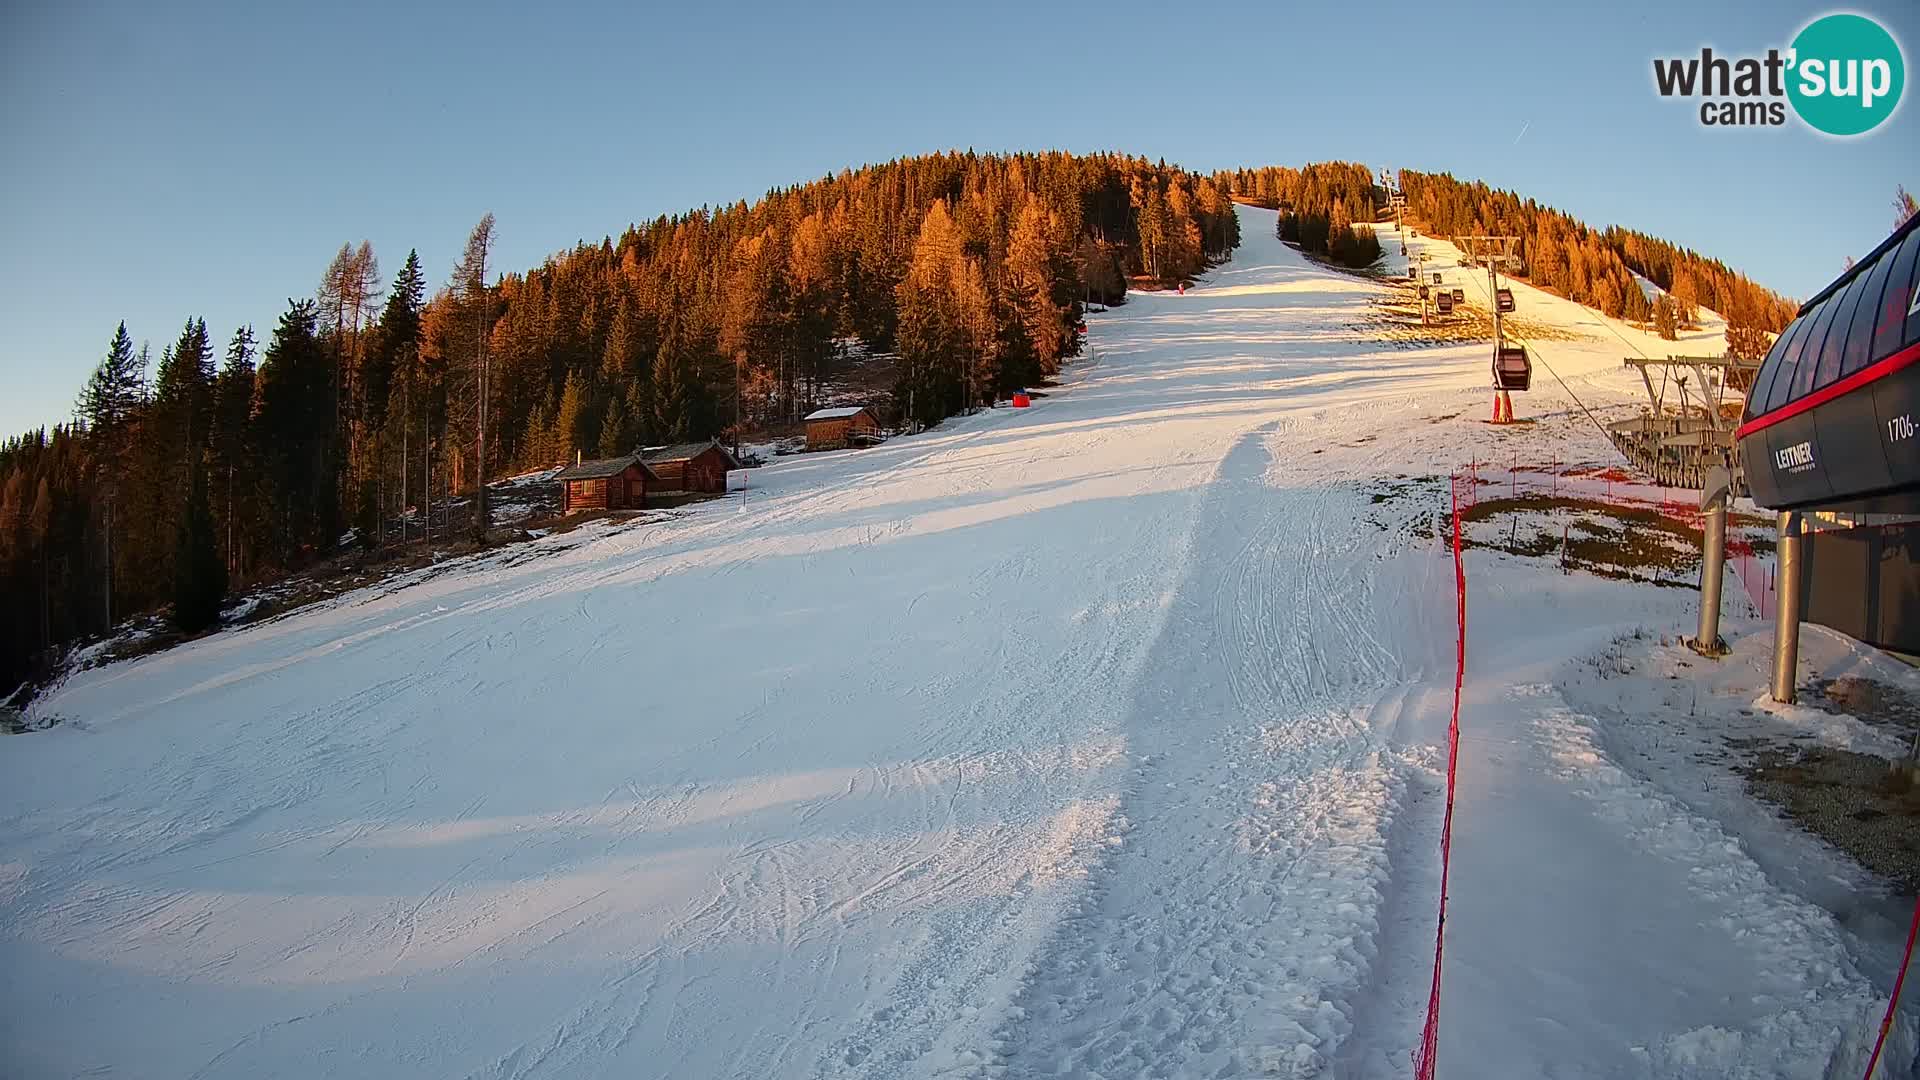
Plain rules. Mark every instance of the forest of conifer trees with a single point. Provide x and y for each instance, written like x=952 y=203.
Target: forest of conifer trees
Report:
x=374 y=403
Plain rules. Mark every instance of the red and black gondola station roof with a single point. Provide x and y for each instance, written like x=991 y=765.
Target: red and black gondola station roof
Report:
x=1833 y=418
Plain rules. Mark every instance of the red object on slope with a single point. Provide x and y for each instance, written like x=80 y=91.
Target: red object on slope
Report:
x=1427 y=1054
x=1893 y=1002
x=1021 y=401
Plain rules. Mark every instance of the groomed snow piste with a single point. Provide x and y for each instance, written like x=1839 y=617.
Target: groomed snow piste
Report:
x=1097 y=739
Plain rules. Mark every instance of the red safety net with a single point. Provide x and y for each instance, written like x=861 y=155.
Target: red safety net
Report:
x=1424 y=1058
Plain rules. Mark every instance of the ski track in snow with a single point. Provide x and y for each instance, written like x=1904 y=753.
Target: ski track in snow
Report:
x=1091 y=740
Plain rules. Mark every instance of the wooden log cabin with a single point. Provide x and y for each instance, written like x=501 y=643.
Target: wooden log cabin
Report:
x=696 y=466
x=833 y=429
x=619 y=483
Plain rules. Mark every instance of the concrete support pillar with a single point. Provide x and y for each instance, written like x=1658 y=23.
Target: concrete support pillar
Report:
x=1786 y=619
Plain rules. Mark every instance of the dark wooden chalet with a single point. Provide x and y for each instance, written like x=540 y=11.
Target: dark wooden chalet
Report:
x=619 y=483
x=832 y=429
x=697 y=466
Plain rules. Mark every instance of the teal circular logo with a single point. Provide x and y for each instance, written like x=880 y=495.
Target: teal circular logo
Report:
x=1847 y=74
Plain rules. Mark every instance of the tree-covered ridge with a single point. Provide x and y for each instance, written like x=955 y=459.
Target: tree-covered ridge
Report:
x=364 y=410
x=1594 y=266
x=944 y=255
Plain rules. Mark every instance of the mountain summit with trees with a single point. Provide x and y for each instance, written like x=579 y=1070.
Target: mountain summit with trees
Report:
x=1596 y=267
x=376 y=407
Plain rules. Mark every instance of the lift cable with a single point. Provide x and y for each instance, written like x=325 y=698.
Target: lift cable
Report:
x=1534 y=350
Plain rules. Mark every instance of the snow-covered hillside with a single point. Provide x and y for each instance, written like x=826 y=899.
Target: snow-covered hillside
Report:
x=1096 y=739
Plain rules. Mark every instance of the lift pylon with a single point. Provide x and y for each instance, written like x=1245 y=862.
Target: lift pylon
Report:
x=1512 y=370
x=1397 y=202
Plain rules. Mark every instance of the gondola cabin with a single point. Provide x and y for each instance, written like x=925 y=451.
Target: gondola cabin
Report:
x=1459 y=296
x=619 y=483
x=1436 y=277
x=1832 y=429
x=1512 y=370
x=1831 y=419
x=1424 y=291
x=1503 y=300
x=1445 y=303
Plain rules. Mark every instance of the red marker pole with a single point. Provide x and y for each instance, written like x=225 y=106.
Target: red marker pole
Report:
x=1893 y=1003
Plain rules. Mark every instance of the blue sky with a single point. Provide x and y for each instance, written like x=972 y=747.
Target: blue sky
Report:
x=163 y=161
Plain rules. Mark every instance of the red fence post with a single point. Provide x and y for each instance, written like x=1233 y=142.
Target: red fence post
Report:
x=1426 y=1057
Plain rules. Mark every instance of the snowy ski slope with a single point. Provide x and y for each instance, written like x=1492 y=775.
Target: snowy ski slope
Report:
x=1091 y=740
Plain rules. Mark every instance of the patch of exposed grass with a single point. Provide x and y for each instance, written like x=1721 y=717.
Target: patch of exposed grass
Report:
x=1624 y=542
x=1395 y=319
x=1401 y=488
x=1868 y=700
x=1854 y=801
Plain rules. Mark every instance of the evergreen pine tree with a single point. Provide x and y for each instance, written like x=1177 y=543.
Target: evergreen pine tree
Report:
x=107 y=405
x=13 y=513
x=674 y=402
x=616 y=436
x=814 y=272
x=570 y=420
x=1032 y=280
x=1152 y=231
x=296 y=414
x=475 y=298
x=928 y=344
x=395 y=345
x=199 y=577
x=169 y=445
x=114 y=390
x=231 y=467
x=537 y=446
x=640 y=430
x=1666 y=318
x=1183 y=255
x=183 y=393
x=40 y=535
